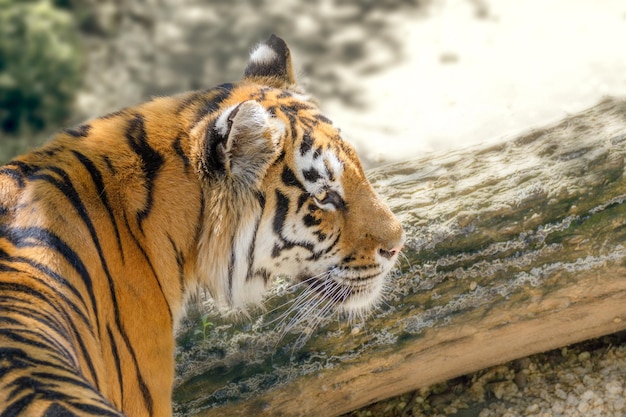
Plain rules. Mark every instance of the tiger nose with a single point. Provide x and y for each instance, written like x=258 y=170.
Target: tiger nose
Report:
x=389 y=253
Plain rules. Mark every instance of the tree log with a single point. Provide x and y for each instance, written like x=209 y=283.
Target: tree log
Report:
x=512 y=250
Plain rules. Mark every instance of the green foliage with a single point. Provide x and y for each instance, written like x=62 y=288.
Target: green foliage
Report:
x=204 y=326
x=40 y=65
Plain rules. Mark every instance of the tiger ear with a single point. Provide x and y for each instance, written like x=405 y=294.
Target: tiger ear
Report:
x=244 y=141
x=270 y=64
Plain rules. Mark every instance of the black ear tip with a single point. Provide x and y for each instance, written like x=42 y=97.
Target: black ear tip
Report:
x=274 y=40
x=278 y=44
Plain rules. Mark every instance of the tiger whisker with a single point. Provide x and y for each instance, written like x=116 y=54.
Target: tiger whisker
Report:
x=295 y=303
x=307 y=307
x=292 y=288
x=308 y=303
x=402 y=258
x=328 y=306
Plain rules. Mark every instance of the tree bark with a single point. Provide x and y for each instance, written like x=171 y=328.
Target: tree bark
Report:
x=512 y=249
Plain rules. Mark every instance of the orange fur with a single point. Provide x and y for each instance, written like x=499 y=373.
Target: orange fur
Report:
x=107 y=229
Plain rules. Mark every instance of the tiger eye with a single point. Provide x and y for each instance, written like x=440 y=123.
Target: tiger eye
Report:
x=321 y=197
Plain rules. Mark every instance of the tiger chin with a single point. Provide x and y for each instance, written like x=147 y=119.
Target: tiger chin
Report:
x=107 y=229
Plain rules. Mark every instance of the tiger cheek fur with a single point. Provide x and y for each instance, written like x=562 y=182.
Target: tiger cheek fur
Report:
x=105 y=231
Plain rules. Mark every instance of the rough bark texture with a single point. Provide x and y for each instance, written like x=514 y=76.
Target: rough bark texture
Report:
x=512 y=250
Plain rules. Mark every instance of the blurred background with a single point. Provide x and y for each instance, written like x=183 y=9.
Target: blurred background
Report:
x=400 y=77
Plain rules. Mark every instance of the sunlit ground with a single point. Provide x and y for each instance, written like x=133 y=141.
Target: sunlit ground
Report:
x=482 y=71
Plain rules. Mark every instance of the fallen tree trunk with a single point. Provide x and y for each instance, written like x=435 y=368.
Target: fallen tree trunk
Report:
x=513 y=249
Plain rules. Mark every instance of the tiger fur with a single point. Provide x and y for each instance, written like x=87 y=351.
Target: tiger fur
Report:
x=107 y=229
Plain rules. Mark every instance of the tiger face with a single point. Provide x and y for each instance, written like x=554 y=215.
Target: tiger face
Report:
x=318 y=219
x=107 y=229
x=327 y=228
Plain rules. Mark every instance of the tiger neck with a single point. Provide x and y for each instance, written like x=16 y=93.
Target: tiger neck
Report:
x=226 y=244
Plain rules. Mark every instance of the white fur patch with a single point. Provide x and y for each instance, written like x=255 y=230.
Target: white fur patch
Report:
x=263 y=54
x=221 y=125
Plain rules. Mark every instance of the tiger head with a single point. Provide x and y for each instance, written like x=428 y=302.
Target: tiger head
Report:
x=294 y=196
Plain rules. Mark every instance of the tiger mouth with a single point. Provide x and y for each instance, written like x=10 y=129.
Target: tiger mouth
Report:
x=346 y=289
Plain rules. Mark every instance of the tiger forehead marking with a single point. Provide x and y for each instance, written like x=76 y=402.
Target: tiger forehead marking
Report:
x=320 y=168
x=107 y=230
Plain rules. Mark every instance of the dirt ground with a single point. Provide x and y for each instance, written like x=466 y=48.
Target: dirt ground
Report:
x=582 y=380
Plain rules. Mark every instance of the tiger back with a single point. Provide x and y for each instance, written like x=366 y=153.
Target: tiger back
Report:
x=106 y=231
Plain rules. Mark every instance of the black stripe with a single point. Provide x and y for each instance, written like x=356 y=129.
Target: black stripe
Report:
x=150 y=159
x=70 y=192
x=310 y=221
x=147 y=258
x=180 y=262
x=47 y=320
x=45 y=386
x=67 y=188
x=250 y=275
x=278 y=222
x=95 y=410
x=293 y=122
x=306 y=144
x=43 y=342
x=109 y=165
x=50 y=151
x=23 y=167
x=16 y=408
x=63 y=282
x=212 y=100
x=213 y=159
x=118 y=366
x=311 y=175
x=14 y=287
x=261 y=199
x=323 y=119
x=14 y=337
x=280 y=212
x=113 y=114
x=19 y=358
x=29 y=383
x=179 y=151
x=284 y=94
x=260 y=95
x=316 y=255
x=7 y=268
x=295 y=106
x=96 y=177
x=34 y=236
x=79 y=131
x=13 y=174
x=289 y=179
x=304 y=197
x=56 y=410
x=231 y=269
x=74 y=379
x=309 y=123
x=264 y=274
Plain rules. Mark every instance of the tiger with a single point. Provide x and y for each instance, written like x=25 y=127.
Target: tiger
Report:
x=107 y=229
